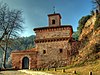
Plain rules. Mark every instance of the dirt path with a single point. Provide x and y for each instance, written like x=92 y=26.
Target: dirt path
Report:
x=35 y=72
x=23 y=72
x=12 y=73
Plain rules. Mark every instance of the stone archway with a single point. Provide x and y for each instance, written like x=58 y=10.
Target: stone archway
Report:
x=25 y=63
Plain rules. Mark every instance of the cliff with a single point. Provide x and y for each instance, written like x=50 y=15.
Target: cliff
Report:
x=89 y=38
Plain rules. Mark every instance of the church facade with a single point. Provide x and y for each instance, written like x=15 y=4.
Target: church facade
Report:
x=52 y=46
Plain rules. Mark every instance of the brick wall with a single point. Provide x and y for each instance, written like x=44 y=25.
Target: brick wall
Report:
x=57 y=20
x=53 y=57
x=17 y=58
x=53 y=54
x=54 y=33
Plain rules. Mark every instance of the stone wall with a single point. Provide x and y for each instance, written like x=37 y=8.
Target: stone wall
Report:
x=53 y=54
x=54 y=41
x=57 y=20
x=54 y=33
x=17 y=58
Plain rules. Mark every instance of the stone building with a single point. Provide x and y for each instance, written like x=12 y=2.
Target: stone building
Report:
x=52 y=46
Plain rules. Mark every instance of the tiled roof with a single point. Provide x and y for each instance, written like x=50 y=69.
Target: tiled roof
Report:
x=52 y=27
x=21 y=51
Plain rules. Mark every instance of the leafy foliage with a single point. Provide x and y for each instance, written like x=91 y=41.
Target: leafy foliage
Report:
x=92 y=12
x=96 y=48
x=75 y=35
x=97 y=23
x=82 y=22
x=23 y=43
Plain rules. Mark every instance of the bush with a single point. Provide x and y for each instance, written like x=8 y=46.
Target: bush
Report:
x=75 y=35
x=92 y=12
x=95 y=48
x=82 y=22
x=97 y=22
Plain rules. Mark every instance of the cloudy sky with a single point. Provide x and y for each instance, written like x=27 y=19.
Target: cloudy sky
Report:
x=35 y=12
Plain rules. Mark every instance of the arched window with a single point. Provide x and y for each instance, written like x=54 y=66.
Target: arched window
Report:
x=53 y=21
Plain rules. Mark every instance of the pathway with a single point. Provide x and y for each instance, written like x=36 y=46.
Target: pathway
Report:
x=34 y=72
x=12 y=72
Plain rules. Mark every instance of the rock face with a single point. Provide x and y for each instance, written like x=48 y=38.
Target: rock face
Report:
x=89 y=39
x=88 y=28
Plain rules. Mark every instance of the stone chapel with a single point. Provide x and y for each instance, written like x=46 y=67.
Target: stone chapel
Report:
x=52 y=47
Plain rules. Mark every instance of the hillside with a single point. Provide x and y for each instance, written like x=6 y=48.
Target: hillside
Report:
x=89 y=39
x=93 y=67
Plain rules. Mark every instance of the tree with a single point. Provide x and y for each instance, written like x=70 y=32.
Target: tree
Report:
x=97 y=22
x=10 y=26
x=82 y=22
x=75 y=35
x=97 y=4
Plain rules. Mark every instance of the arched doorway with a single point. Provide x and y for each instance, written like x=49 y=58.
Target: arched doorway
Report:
x=25 y=63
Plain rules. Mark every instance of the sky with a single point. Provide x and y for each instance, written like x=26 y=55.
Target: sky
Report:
x=35 y=12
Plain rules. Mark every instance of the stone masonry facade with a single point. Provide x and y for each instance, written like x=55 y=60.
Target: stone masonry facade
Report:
x=17 y=57
x=52 y=46
x=54 y=41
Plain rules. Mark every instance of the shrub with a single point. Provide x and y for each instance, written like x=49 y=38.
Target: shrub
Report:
x=95 y=48
x=82 y=22
x=92 y=12
x=97 y=22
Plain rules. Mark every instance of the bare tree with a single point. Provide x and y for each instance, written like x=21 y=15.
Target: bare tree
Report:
x=10 y=25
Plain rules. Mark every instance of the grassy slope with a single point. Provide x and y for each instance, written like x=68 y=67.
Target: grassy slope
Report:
x=83 y=70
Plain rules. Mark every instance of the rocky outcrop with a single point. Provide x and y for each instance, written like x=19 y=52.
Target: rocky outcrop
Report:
x=90 y=42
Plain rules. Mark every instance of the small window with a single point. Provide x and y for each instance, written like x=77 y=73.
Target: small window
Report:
x=44 y=51
x=60 y=50
x=53 y=21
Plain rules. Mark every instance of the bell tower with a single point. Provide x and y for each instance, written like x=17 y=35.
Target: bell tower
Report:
x=54 y=19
